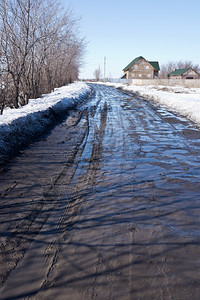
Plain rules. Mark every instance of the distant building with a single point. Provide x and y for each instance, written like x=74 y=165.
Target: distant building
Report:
x=187 y=73
x=140 y=68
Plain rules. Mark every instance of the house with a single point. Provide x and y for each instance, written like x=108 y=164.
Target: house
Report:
x=140 y=68
x=187 y=73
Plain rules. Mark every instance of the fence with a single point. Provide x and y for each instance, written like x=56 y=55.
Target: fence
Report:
x=119 y=80
x=190 y=83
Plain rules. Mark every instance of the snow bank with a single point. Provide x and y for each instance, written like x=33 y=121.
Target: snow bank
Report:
x=185 y=101
x=19 y=126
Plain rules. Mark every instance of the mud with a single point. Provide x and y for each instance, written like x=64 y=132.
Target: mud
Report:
x=105 y=207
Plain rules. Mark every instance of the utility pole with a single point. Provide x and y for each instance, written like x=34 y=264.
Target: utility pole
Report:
x=104 y=68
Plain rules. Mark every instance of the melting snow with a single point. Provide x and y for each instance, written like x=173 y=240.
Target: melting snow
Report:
x=18 y=126
x=185 y=101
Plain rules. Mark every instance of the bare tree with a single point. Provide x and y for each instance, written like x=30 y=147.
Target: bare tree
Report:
x=171 y=66
x=97 y=74
x=39 y=47
x=15 y=39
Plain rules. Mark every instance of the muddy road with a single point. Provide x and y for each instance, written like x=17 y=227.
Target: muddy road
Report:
x=107 y=206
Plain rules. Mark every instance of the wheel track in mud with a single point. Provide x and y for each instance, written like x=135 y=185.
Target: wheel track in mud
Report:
x=76 y=194
x=19 y=237
x=109 y=238
x=44 y=208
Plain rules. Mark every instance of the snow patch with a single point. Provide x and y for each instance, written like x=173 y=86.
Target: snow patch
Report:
x=19 y=126
x=185 y=101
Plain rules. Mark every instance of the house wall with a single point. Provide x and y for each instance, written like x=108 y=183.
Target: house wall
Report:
x=141 y=69
x=175 y=77
x=191 y=74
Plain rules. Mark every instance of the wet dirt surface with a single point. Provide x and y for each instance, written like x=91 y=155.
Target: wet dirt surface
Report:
x=105 y=207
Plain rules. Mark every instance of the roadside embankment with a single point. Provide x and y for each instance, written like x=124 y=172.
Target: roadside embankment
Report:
x=18 y=127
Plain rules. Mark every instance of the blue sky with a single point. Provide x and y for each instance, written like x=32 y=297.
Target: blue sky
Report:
x=122 y=30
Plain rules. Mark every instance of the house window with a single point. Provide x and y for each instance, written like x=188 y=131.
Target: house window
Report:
x=147 y=67
x=140 y=75
x=149 y=75
x=135 y=67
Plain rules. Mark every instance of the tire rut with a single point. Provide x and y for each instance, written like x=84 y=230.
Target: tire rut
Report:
x=121 y=207
x=24 y=230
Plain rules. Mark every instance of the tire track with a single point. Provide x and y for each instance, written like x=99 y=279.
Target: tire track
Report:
x=122 y=207
x=24 y=230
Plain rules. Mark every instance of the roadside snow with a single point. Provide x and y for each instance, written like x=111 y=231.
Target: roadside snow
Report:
x=185 y=101
x=19 y=126
x=66 y=96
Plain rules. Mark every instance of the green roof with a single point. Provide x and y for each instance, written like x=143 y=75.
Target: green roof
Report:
x=178 y=72
x=133 y=61
x=154 y=64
